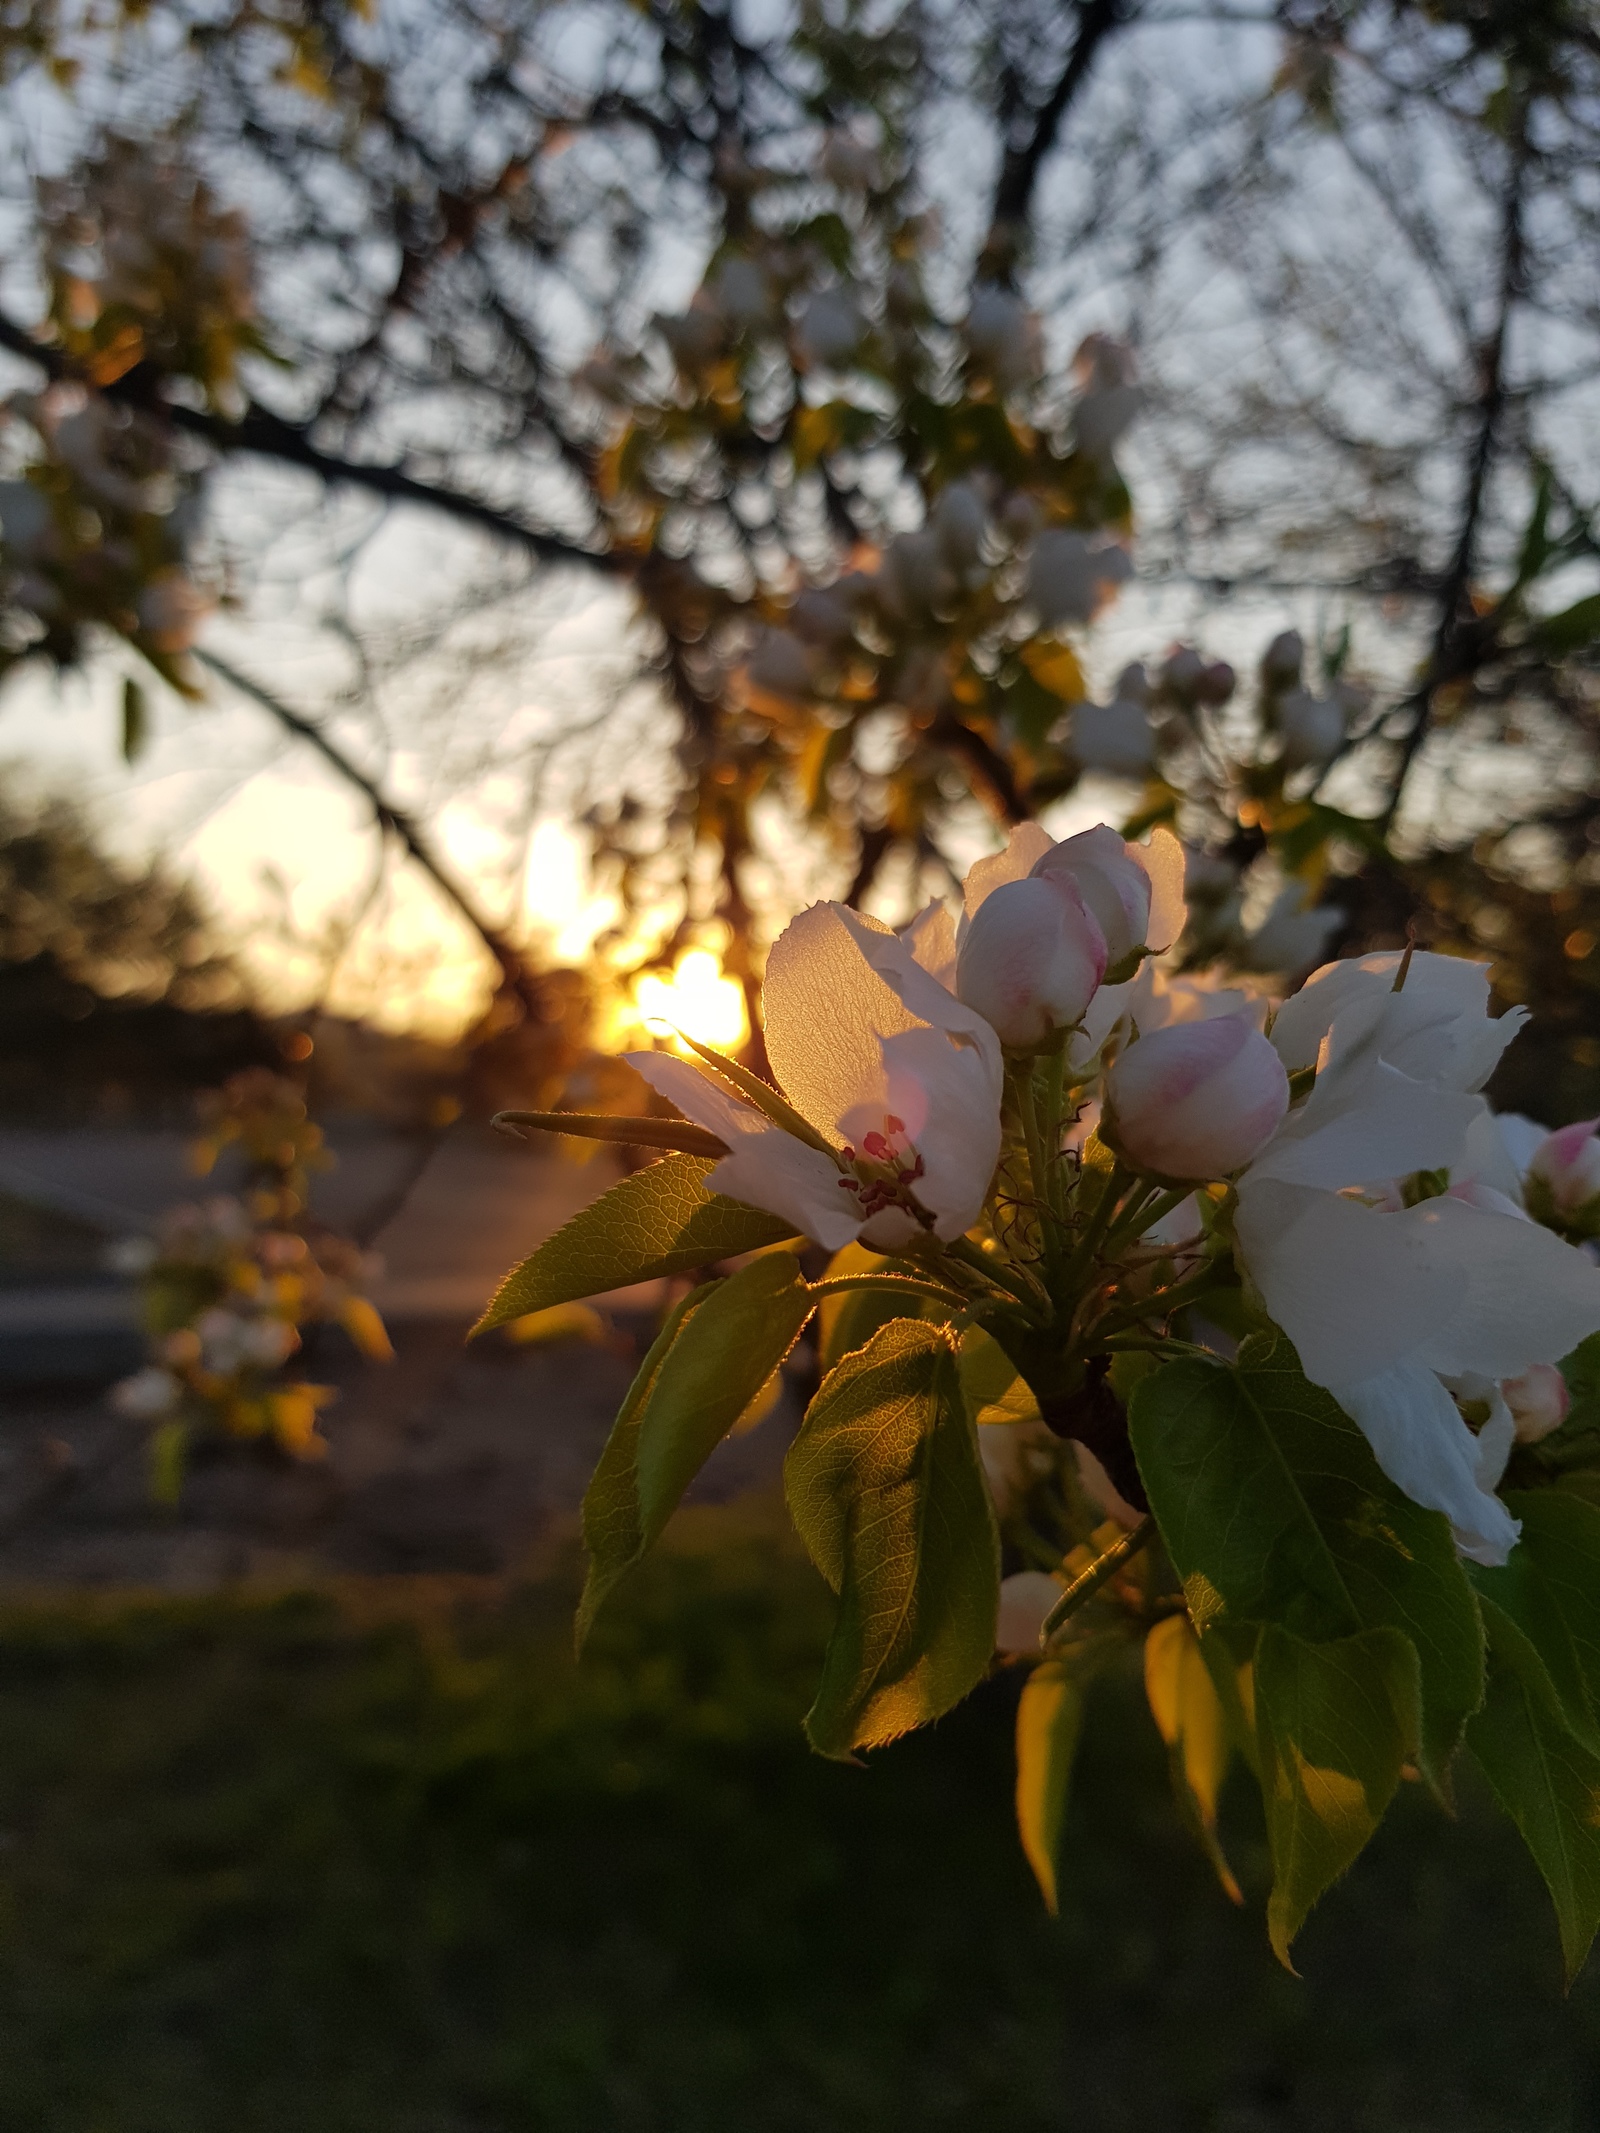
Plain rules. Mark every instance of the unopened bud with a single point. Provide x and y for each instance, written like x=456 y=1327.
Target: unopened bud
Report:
x=1031 y=960
x=1538 y=1401
x=1282 y=660
x=1197 y=1100
x=1068 y=581
x=1568 y=1166
x=1114 y=738
x=1217 y=682
x=1113 y=886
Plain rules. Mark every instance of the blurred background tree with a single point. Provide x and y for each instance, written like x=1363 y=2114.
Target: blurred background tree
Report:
x=829 y=350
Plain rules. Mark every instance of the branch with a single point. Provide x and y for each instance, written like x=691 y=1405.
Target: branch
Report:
x=269 y=436
x=1019 y=171
x=1460 y=638
x=393 y=822
x=988 y=771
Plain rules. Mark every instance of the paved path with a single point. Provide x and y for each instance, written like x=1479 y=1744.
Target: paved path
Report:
x=451 y=1459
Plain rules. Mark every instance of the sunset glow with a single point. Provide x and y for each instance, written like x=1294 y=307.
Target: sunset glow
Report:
x=696 y=1000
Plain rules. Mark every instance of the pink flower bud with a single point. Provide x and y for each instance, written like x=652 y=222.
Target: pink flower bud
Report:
x=1114 y=887
x=1283 y=658
x=1568 y=1163
x=1030 y=960
x=1538 y=1401
x=1197 y=1100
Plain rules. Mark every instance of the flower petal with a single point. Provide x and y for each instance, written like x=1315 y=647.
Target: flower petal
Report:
x=698 y=1097
x=1436 y=1028
x=1368 y=1126
x=943 y=1093
x=931 y=937
x=766 y=1167
x=773 y=1170
x=1025 y=847
x=1354 y=1289
x=1422 y=1444
x=1519 y=1294
x=1162 y=859
x=837 y=986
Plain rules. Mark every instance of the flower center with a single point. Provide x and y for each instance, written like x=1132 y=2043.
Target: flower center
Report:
x=882 y=1171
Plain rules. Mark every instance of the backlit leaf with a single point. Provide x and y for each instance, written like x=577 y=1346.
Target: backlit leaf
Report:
x=1232 y=1514
x=1336 y=1723
x=1049 y=1722
x=1275 y=1510
x=711 y=1361
x=661 y=1220
x=885 y=1487
x=1190 y=1718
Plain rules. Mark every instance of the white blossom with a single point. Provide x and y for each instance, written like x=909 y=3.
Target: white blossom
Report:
x=900 y=1081
x=1384 y=1302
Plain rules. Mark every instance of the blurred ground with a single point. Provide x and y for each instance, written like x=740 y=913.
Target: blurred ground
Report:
x=381 y=1857
x=324 y=1829
x=452 y=1459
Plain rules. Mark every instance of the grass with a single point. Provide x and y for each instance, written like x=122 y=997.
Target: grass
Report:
x=392 y=1864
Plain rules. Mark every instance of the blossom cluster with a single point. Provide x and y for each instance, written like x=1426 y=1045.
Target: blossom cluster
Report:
x=95 y=536
x=146 y=266
x=1341 y=1169
x=230 y=1283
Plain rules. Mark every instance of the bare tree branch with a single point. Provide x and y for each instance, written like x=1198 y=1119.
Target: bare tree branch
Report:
x=265 y=435
x=1019 y=170
x=1460 y=639
x=394 y=822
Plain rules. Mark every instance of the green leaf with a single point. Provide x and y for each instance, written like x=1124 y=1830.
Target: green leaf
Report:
x=1545 y=1778
x=709 y=1362
x=1049 y=1722
x=846 y=1322
x=1581 y=1369
x=1197 y=1727
x=1574 y=629
x=1398 y=1562
x=885 y=1487
x=1550 y=1590
x=659 y=1221
x=1299 y=840
x=1274 y=1510
x=758 y=1092
x=1238 y=1529
x=1336 y=1722
x=996 y=1392
x=135 y=721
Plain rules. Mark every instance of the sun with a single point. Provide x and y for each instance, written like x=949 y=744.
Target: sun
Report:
x=697 y=1000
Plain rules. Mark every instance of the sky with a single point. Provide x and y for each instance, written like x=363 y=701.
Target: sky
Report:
x=286 y=854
